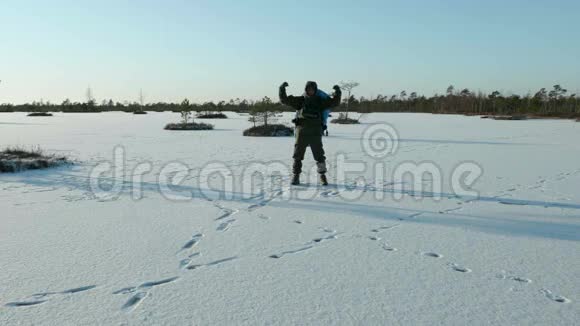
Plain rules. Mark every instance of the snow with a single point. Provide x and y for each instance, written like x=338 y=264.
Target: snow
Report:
x=291 y=255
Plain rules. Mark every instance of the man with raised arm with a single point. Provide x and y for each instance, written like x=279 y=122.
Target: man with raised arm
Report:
x=309 y=123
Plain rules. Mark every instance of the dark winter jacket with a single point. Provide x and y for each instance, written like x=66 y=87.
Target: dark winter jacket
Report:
x=310 y=109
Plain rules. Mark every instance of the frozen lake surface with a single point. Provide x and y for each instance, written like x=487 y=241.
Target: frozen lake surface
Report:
x=181 y=233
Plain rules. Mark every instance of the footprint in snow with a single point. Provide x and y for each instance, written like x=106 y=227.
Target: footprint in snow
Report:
x=432 y=254
x=383 y=228
x=195 y=239
x=386 y=247
x=184 y=262
x=459 y=268
x=298 y=222
x=554 y=297
x=520 y=279
x=134 y=301
x=329 y=193
x=226 y=213
x=225 y=225
x=374 y=238
x=509 y=276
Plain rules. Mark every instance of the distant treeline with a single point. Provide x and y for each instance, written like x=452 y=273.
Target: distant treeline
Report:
x=555 y=102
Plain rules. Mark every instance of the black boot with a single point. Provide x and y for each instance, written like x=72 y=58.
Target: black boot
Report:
x=296 y=180
x=323 y=180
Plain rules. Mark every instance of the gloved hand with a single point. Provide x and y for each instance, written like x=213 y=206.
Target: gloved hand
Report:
x=336 y=88
x=284 y=85
x=324 y=127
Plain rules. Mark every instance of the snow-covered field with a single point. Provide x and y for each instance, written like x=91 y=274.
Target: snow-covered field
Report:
x=351 y=254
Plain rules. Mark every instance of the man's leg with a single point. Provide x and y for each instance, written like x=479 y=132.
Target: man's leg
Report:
x=318 y=153
x=299 y=150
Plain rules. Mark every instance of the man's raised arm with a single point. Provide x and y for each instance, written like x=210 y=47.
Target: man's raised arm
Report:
x=293 y=101
x=334 y=100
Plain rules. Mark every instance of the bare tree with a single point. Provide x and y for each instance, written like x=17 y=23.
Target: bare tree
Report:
x=90 y=98
x=348 y=87
x=141 y=98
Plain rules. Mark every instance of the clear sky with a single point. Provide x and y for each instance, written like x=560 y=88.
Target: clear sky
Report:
x=212 y=50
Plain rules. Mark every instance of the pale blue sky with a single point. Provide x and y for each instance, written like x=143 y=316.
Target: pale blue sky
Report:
x=211 y=50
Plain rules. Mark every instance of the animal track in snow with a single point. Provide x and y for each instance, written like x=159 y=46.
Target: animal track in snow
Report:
x=80 y=289
x=445 y=211
x=330 y=237
x=554 y=297
x=432 y=254
x=309 y=245
x=134 y=301
x=184 y=262
x=191 y=243
x=225 y=225
x=40 y=298
x=383 y=228
x=25 y=303
x=290 y=252
x=411 y=216
x=213 y=263
x=227 y=213
x=146 y=285
x=141 y=292
x=265 y=202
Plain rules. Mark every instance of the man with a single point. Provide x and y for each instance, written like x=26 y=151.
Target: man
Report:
x=309 y=125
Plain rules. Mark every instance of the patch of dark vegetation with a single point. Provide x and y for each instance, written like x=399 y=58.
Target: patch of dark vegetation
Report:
x=189 y=126
x=218 y=115
x=505 y=117
x=343 y=119
x=276 y=130
x=578 y=120
x=15 y=159
x=139 y=112
x=40 y=114
x=80 y=110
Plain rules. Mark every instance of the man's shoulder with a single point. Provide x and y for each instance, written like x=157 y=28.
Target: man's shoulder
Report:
x=322 y=94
